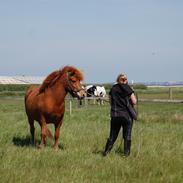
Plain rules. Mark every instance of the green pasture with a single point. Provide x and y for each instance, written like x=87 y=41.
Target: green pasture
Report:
x=156 y=155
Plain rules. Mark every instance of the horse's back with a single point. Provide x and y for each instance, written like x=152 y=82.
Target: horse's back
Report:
x=100 y=91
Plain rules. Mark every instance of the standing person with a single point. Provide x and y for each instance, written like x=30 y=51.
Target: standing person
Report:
x=120 y=117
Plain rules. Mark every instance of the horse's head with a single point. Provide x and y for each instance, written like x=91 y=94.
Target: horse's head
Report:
x=74 y=87
x=70 y=77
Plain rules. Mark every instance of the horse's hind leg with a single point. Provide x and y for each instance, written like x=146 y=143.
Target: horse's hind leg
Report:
x=50 y=135
x=43 y=132
x=32 y=130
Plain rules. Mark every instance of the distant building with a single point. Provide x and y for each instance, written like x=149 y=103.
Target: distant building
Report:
x=21 y=79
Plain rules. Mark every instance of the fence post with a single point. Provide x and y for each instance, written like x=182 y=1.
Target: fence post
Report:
x=70 y=107
x=170 y=93
x=86 y=101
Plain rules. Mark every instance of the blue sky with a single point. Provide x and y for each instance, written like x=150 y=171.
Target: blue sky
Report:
x=142 y=38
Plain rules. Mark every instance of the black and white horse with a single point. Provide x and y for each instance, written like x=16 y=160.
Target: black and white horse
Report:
x=90 y=90
x=100 y=91
x=96 y=91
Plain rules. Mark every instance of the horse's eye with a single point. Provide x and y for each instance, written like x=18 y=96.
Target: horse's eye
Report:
x=73 y=81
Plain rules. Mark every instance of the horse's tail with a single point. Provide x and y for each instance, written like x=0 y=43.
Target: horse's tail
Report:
x=27 y=93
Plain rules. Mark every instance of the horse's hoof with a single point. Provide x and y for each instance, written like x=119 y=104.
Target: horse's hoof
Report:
x=40 y=146
x=56 y=148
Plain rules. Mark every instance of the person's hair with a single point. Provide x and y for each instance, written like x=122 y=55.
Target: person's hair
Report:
x=122 y=78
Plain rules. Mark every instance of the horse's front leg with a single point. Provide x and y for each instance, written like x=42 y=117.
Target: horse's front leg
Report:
x=32 y=130
x=57 y=135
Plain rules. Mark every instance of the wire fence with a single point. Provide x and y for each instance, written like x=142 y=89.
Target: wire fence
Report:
x=74 y=102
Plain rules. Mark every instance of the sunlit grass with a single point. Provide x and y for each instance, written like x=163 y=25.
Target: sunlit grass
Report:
x=156 y=156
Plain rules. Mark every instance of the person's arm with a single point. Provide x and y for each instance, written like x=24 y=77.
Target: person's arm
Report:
x=133 y=99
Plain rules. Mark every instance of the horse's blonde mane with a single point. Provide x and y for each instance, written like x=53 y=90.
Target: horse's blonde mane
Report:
x=52 y=78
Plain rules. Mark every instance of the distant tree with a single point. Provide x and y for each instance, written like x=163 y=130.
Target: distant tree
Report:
x=139 y=86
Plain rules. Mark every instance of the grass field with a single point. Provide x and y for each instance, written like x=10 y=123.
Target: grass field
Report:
x=156 y=156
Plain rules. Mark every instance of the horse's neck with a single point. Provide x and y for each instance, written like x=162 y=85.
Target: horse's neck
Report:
x=59 y=92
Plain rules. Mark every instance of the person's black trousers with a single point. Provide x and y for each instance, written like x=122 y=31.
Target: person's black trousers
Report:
x=116 y=124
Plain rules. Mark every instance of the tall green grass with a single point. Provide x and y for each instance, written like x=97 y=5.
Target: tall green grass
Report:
x=156 y=155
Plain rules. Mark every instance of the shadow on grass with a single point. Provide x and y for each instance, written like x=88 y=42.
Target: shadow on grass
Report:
x=23 y=142
x=118 y=151
x=100 y=152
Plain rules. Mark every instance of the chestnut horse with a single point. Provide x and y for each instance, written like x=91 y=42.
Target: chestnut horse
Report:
x=45 y=103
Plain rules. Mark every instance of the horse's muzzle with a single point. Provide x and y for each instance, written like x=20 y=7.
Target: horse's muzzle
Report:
x=81 y=94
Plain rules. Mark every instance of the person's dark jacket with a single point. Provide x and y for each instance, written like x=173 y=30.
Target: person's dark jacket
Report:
x=118 y=102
